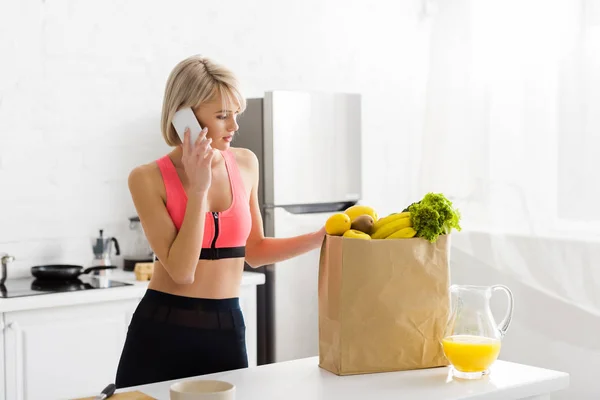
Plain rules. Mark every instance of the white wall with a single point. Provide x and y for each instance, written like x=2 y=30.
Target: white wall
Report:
x=81 y=89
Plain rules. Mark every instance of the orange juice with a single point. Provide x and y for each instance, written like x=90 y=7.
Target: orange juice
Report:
x=468 y=353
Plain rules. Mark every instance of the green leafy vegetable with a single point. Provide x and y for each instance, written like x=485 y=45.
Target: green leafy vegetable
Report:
x=433 y=216
x=406 y=209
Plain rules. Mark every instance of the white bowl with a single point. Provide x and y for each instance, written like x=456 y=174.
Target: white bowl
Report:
x=202 y=390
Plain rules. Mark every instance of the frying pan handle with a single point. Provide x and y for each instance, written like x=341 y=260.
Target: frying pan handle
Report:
x=98 y=268
x=117 y=249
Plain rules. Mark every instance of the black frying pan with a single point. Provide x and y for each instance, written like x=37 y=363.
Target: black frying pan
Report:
x=63 y=271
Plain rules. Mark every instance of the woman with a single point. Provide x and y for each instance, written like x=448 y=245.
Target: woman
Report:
x=199 y=209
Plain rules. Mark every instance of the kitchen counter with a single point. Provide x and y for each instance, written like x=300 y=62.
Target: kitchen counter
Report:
x=303 y=379
x=87 y=330
x=136 y=290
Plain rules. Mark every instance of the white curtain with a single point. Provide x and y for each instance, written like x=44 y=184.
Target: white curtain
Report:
x=512 y=135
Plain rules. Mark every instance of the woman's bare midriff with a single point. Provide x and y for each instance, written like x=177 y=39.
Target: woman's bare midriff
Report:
x=214 y=279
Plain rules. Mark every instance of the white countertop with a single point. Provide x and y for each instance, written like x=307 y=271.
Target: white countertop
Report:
x=137 y=290
x=303 y=379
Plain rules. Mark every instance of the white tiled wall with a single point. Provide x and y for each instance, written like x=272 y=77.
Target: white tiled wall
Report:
x=81 y=87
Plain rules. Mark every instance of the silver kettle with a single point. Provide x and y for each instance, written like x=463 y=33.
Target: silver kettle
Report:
x=102 y=249
x=5 y=259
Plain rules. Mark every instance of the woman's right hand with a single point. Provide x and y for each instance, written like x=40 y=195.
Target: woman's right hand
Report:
x=197 y=158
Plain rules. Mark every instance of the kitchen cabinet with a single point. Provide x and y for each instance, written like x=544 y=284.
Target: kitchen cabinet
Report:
x=249 y=309
x=60 y=352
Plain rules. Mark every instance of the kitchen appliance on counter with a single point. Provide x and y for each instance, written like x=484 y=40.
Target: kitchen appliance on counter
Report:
x=32 y=286
x=139 y=250
x=308 y=146
x=5 y=259
x=65 y=272
x=102 y=249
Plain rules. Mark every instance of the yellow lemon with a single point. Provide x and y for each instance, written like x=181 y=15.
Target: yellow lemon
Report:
x=355 y=234
x=337 y=224
x=357 y=210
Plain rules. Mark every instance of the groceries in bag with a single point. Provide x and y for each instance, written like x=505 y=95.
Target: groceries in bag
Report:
x=428 y=218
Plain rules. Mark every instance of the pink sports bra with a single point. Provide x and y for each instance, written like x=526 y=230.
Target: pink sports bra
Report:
x=226 y=232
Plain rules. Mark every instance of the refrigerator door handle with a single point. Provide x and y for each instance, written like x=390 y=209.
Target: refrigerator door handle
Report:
x=314 y=208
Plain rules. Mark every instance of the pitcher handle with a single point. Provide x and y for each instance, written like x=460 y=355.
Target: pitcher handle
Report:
x=117 y=249
x=505 y=323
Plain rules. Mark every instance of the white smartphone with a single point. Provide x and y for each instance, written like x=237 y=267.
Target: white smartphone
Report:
x=185 y=118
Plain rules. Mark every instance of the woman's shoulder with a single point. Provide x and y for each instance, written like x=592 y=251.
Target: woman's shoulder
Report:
x=146 y=177
x=245 y=158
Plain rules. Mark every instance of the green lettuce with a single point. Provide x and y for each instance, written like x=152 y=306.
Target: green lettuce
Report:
x=433 y=216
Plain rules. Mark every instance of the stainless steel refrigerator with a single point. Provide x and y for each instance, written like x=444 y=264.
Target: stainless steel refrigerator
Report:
x=309 y=149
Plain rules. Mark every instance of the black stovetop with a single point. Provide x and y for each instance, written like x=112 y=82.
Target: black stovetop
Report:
x=33 y=287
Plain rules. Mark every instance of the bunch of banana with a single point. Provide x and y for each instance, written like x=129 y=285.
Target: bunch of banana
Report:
x=394 y=226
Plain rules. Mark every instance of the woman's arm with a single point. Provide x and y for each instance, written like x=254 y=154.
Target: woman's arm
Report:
x=178 y=252
x=263 y=251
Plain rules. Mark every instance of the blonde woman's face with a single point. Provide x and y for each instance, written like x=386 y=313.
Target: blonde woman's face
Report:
x=220 y=120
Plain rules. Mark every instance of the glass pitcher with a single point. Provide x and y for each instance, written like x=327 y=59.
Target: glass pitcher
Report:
x=472 y=338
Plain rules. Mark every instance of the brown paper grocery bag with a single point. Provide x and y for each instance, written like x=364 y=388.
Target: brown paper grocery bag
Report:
x=383 y=304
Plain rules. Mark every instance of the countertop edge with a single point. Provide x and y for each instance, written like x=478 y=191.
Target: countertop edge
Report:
x=137 y=290
x=540 y=381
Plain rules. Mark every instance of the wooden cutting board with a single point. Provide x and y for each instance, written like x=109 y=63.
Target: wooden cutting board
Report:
x=137 y=395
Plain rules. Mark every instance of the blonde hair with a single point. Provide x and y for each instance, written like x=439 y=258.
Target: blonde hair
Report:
x=194 y=81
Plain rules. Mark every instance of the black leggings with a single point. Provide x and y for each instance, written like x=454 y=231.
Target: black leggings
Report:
x=172 y=337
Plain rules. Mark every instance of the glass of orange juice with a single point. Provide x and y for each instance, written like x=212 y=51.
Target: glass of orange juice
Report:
x=472 y=339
